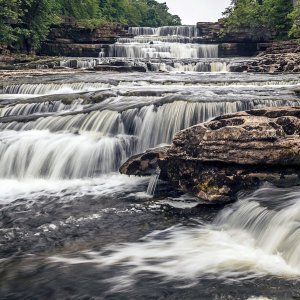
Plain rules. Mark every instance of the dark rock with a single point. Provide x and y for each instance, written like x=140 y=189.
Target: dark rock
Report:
x=73 y=39
x=217 y=159
x=279 y=57
x=119 y=68
x=139 y=69
x=144 y=164
x=214 y=32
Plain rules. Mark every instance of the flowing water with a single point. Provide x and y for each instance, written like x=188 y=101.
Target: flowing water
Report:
x=162 y=42
x=71 y=227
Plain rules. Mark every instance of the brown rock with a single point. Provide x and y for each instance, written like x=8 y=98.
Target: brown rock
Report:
x=217 y=159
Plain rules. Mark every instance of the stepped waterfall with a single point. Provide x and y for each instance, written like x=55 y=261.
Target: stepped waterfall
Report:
x=165 y=49
x=73 y=225
x=162 y=42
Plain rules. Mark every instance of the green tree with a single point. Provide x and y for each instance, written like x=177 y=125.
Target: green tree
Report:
x=138 y=12
x=270 y=14
x=295 y=19
x=25 y=23
x=242 y=13
x=80 y=10
x=9 y=16
x=36 y=19
x=276 y=16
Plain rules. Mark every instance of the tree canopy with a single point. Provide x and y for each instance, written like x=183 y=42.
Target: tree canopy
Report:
x=295 y=18
x=276 y=15
x=27 y=22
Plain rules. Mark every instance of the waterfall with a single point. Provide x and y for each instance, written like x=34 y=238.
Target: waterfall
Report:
x=261 y=219
x=152 y=124
x=25 y=109
x=117 y=116
x=54 y=88
x=86 y=144
x=81 y=63
x=141 y=30
x=162 y=50
x=151 y=39
x=40 y=154
x=191 y=67
x=162 y=42
x=66 y=88
x=185 y=30
x=153 y=182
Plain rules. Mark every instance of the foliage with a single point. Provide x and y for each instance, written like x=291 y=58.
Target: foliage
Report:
x=24 y=24
x=80 y=10
x=271 y=14
x=295 y=18
x=138 y=12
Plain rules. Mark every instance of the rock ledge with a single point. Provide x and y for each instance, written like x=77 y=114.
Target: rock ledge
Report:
x=217 y=159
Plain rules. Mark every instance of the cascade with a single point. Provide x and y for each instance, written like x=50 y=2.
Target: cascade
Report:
x=162 y=42
x=25 y=109
x=185 y=30
x=54 y=88
x=159 y=49
x=40 y=154
x=191 y=67
x=130 y=115
x=153 y=182
x=81 y=63
x=62 y=141
x=141 y=30
x=110 y=136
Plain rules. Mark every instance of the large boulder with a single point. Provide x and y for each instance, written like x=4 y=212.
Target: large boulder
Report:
x=218 y=159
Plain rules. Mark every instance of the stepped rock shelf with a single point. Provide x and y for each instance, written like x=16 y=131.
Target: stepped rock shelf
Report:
x=216 y=160
x=74 y=40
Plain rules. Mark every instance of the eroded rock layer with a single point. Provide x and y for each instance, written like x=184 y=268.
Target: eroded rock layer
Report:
x=218 y=159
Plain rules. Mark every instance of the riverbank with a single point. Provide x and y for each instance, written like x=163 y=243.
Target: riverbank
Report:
x=280 y=57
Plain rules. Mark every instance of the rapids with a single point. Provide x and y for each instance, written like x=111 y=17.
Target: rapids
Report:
x=71 y=227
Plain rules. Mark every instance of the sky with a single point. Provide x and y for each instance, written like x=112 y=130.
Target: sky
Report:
x=193 y=11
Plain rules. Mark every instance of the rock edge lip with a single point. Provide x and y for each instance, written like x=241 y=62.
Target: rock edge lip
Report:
x=217 y=159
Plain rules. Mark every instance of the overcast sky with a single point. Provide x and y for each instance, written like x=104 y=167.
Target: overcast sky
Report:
x=193 y=11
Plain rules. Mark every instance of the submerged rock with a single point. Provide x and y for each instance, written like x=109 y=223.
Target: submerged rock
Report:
x=218 y=159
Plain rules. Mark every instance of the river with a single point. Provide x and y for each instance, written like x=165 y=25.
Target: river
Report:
x=72 y=227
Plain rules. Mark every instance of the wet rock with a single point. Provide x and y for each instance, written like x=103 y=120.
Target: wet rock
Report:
x=121 y=69
x=144 y=164
x=216 y=160
x=279 y=57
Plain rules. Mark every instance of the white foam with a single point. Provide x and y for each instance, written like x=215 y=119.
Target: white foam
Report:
x=245 y=241
x=13 y=189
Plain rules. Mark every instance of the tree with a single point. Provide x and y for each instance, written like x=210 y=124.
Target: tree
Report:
x=24 y=24
x=276 y=17
x=35 y=21
x=8 y=17
x=78 y=9
x=270 y=14
x=295 y=19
